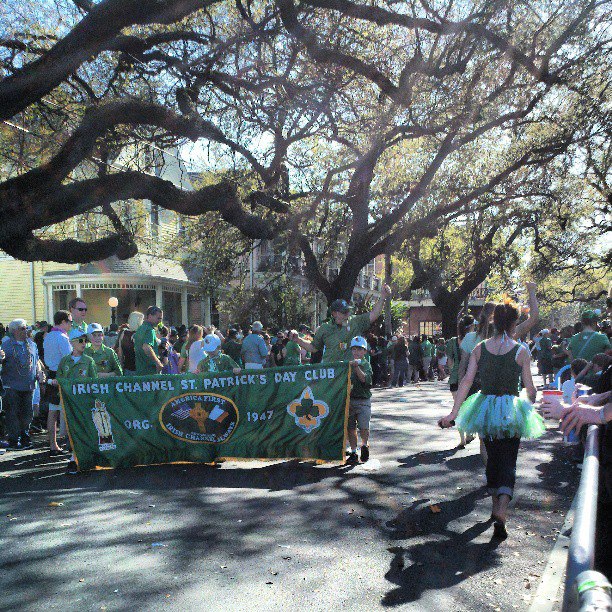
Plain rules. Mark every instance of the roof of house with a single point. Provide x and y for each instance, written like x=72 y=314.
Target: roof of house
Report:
x=142 y=265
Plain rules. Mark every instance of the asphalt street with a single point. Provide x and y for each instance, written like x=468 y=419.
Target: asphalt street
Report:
x=407 y=530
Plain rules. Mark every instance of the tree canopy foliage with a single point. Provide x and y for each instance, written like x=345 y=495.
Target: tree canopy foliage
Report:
x=361 y=126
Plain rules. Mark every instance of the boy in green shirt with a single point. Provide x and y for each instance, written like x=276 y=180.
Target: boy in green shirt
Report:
x=77 y=365
x=292 y=353
x=215 y=360
x=74 y=366
x=360 y=403
x=105 y=358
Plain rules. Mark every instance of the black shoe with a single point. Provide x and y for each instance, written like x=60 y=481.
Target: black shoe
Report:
x=365 y=454
x=25 y=441
x=35 y=428
x=499 y=530
x=4 y=444
x=13 y=445
x=353 y=459
x=72 y=468
x=58 y=453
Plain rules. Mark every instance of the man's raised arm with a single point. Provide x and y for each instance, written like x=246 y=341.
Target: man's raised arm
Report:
x=378 y=307
x=534 y=313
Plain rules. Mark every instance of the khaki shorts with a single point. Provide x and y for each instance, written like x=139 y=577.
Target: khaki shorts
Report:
x=360 y=413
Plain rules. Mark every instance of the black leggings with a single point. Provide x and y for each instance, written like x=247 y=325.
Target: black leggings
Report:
x=501 y=464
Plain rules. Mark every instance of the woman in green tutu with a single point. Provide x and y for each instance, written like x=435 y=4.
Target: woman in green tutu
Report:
x=496 y=412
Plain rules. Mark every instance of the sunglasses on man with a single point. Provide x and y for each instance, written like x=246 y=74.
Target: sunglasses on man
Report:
x=80 y=340
x=81 y=309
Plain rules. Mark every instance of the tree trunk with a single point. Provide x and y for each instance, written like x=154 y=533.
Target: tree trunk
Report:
x=449 y=309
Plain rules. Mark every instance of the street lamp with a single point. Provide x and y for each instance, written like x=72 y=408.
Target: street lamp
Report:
x=113 y=302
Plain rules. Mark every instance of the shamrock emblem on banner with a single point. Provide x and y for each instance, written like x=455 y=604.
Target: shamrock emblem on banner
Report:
x=307 y=411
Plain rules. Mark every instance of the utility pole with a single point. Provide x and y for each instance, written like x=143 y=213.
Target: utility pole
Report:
x=388 y=326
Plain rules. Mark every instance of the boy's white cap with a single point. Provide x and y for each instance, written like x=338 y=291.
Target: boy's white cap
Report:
x=76 y=333
x=393 y=338
x=359 y=341
x=94 y=327
x=211 y=343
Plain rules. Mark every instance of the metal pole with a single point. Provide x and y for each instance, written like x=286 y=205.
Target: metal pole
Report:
x=388 y=325
x=582 y=542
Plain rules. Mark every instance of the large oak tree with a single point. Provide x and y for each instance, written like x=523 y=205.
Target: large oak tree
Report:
x=353 y=117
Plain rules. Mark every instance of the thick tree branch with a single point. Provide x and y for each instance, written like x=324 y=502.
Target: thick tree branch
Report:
x=32 y=248
x=57 y=204
x=100 y=119
x=90 y=36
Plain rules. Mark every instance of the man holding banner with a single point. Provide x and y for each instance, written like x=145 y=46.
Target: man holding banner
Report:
x=335 y=336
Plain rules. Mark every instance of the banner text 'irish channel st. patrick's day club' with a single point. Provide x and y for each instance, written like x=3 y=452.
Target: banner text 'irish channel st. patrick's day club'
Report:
x=289 y=412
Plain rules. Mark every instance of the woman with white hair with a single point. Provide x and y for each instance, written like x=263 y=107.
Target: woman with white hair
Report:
x=20 y=369
x=125 y=343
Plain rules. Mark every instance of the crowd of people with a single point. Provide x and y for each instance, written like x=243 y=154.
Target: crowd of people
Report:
x=486 y=364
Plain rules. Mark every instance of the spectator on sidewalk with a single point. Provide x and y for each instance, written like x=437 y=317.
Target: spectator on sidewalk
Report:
x=588 y=342
x=20 y=371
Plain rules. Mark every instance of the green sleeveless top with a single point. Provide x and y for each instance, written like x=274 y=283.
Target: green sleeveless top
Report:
x=499 y=374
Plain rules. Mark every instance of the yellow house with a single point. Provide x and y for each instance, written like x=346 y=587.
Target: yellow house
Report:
x=35 y=290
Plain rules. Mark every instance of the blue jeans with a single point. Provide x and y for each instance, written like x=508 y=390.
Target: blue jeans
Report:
x=18 y=410
x=400 y=371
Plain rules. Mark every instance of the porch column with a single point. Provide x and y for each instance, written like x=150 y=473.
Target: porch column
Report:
x=184 y=307
x=78 y=290
x=49 y=300
x=207 y=320
x=158 y=296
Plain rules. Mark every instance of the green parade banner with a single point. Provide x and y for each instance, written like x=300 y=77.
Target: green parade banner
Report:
x=293 y=412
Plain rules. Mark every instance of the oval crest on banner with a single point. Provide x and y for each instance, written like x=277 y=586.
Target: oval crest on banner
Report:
x=199 y=418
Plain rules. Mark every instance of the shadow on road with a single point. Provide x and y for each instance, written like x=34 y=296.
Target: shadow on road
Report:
x=39 y=468
x=446 y=558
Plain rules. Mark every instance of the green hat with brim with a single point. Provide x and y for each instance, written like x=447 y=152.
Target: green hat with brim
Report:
x=591 y=315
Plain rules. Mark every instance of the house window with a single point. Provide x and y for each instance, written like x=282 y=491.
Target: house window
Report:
x=430 y=328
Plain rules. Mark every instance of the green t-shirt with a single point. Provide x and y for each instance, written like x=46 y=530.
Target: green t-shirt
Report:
x=218 y=363
x=293 y=353
x=545 y=348
x=336 y=339
x=427 y=348
x=361 y=390
x=587 y=344
x=453 y=352
x=83 y=368
x=106 y=360
x=81 y=326
x=145 y=334
x=232 y=348
x=415 y=353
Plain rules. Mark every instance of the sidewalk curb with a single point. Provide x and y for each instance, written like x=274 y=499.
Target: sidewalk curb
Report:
x=545 y=599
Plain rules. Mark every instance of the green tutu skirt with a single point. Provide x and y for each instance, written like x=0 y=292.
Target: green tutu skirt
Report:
x=499 y=416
